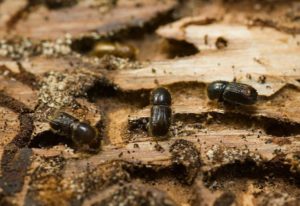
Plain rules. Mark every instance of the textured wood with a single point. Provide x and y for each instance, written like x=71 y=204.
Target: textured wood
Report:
x=251 y=55
x=9 y=126
x=212 y=151
x=20 y=92
x=9 y=9
x=86 y=18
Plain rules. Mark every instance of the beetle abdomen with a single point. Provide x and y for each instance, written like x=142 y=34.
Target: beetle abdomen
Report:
x=160 y=120
x=83 y=133
x=238 y=93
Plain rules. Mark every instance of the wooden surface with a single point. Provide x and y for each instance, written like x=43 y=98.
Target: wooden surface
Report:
x=102 y=18
x=251 y=54
x=213 y=153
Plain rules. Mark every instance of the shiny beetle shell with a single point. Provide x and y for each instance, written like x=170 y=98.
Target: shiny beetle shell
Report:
x=161 y=112
x=81 y=133
x=160 y=120
x=216 y=89
x=238 y=93
x=161 y=96
x=232 y=92
x=114 y=48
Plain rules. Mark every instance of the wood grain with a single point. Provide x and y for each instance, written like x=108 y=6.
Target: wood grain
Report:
x=249 y=56
x=86 y=19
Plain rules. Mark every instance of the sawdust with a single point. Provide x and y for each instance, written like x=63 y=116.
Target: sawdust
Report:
x=60 y=89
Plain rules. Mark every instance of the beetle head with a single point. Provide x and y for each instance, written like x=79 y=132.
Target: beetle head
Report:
x=215 y=89
x=161 y=96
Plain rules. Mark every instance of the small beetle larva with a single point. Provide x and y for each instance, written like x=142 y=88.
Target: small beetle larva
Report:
x=114 y=48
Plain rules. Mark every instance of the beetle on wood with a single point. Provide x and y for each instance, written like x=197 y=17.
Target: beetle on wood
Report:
x=161 y=112
x=82 y=134
x=232 y=92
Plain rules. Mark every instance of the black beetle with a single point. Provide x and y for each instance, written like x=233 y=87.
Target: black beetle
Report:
x=161 y=112
x=82 y=134
x=232 y=92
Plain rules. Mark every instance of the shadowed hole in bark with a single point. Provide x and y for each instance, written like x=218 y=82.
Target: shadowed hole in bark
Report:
x=176 y=48
x=221 y=43
x=102 y=90
x=265 y=172
x=139 y=124
x=208 y=120
x=85 y=44
x=148 y=173
x=281 y=129
x=49 y=139
x=57 y=4
x=181 y=172
x=270 y=126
